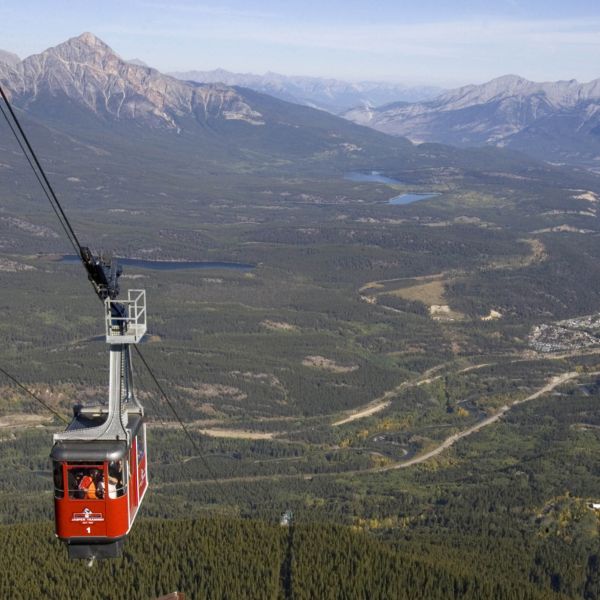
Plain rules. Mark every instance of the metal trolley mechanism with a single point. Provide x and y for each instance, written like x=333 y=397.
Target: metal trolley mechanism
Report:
x=100 y=461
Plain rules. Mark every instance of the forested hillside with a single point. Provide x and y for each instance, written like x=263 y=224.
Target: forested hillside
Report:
x=215 y=559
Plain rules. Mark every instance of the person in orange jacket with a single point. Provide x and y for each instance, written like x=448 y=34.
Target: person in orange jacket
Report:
x=88 y=486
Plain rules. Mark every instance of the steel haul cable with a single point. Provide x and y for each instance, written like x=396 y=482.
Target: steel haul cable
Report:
x=38 y=177
x=71 y=233
x=38 y=170
x=20 y=385
x=185 y=429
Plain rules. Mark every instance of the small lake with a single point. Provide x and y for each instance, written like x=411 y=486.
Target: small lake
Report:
x=169 y=265
x=371 y=177
x=410 y=198
x=377 y=177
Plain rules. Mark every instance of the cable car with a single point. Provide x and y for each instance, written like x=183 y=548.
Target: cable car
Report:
x=100 y=462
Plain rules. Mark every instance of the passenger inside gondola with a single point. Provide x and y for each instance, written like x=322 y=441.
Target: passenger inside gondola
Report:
x=83 y=482
x=99 y=483
x=73 y=479
x=88 y=486
x=115 y=479
x=59 y=490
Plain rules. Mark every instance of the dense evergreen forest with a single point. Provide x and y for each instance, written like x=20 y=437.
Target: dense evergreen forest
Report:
x=217 y=558
x=505 y=514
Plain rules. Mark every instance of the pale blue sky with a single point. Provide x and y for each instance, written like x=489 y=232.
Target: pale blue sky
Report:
x=440 y=42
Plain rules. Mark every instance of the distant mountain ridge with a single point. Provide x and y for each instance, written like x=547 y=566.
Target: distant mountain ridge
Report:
x=84 y=90
x=327 y=94
x=87 y=71
x=138 y=62
x=554 y=121
x=9 y=58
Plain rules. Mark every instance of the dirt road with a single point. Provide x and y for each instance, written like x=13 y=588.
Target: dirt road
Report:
x=23 y=421
x=447 y=443
x=450 y=441
x=384 y=401
x=367 y=411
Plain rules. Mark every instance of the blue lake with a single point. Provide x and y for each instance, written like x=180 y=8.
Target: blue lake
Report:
x=169 y=265
x=371 y=177
x=409 y=198
x=377 y=177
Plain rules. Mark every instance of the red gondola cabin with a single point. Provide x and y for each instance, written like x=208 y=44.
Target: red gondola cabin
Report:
x=100 y=461
x=98 y=488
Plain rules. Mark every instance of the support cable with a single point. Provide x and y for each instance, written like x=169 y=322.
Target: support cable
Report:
x=185 y=429
x=155 y=405
x=20 y=385
x=71 y=235
x=39 y=178
x=65 y=221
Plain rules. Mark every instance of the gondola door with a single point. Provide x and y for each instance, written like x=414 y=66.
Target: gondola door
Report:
x=133 y=480
x=142 y=462
x=82 y=513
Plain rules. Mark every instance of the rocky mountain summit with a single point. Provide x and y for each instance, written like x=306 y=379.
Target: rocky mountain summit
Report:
x=332 y=95
x=555 y=121
x=560 y=94
x=8 y=58
x=83 y=90
x=107 y=105
x=84 y=71
x=139 y=62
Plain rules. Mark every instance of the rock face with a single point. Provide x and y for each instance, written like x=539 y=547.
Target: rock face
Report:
x=327 y=94
x=8 y=58
x=139 y=62
x=106 y=106
x=557 y=121
x=87 y=73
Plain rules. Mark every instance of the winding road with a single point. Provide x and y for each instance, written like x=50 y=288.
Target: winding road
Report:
x=384 y=401
x=447 y=443
x=451 y=440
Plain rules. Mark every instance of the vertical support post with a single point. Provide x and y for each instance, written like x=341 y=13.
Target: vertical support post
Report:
x=115 y=405
x=125 y=323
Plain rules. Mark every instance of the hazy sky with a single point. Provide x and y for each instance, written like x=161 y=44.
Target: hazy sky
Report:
x=444 y=42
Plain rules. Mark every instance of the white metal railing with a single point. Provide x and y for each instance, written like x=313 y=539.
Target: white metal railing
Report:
x=131 y=327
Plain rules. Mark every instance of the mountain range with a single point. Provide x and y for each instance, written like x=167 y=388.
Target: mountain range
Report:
x=101 y=109
x=83 y=79
x=556 y=122
x=332 y=95
x=84 y=90
x=85 y=70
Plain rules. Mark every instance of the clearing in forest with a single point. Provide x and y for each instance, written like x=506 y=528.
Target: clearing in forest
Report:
x=242 y=434
x=327 y=364
x=428 y=293
x=432 y=295
x=278 y=325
